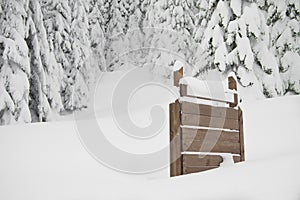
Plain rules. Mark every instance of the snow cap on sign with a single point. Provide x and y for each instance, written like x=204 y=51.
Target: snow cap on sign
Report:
x=211 y=89
x=232 y=74
x=178 y=65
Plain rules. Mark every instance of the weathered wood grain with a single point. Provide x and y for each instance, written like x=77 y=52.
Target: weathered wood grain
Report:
x=175 y=140
x=196 y=161
x=211 y=146
x=204 y=128
x=201 y=134
x=211 y=122
x=241 y=127
x=207 y=110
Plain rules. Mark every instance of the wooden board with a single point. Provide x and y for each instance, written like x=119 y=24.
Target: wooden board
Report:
x=200 y=161
x=211 y=146
x=207 y=110
x=194 y=163
x=175 y=140
x=201 y=134
x=211 y=122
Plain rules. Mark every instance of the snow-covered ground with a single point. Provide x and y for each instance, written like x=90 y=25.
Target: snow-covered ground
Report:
x=48 y=161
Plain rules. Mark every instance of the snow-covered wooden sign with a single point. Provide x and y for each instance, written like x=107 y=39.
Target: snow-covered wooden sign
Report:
x=206 y=135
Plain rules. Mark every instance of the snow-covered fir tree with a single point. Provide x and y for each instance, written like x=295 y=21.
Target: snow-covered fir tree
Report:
x=283 y=18
x=96 y=31
x=170 y=33
x=117 y=22
x=57 y=21
x=52 y=51
x=67 y=26
x=46 y=76
x=237 y=38
x=79 y=73
x=15 y=64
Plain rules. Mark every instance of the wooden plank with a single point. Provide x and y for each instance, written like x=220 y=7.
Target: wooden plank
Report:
x=211 y=146
x=206 y=160
x=189 y=134
x=189 y=170
x=241 y=127
x=211 y=122
x=177 y=76
x=175 y=140
x=207 y=110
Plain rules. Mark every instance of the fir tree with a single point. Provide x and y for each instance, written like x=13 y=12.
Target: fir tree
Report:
x=96 y=34
x=15 y=64
x=46 y=77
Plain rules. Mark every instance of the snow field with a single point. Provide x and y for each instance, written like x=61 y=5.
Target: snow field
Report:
x=48 y=161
